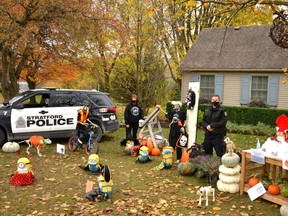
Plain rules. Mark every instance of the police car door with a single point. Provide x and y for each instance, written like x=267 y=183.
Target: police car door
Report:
x=31 y=115
x=65 y=109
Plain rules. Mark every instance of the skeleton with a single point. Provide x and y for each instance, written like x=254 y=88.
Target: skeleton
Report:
x=40 y=142
x=229 y=145
x=208 y=191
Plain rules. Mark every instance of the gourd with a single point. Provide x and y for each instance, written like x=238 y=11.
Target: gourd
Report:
x=284 y=190
x=229 y=171
x=253 y=181
x=185 y=168
x=184 y=157
x=284 y=210
x=230 y=179
x=11 y=147
x=231 y=188
x=155 y=152
x=274 y=189
x=230 y=159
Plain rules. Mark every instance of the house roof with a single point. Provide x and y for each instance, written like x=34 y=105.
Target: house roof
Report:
x=238 y=48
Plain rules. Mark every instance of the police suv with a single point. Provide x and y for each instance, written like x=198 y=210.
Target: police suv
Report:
x=52 y=113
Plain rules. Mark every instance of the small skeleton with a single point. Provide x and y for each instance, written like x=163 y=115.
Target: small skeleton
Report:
x=207 y=191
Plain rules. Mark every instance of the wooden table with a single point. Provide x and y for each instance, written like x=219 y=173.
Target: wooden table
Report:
x=272 y=166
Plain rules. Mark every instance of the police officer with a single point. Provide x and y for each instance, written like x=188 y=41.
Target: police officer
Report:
x=214 y=123
x=132 y=114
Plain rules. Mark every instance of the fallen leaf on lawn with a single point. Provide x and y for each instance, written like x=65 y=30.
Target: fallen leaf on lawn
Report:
x=64 y=205
x=234 y=207
x=34 y=212
x=250 y=207
x=162 y=201
x=243 y=207
x=216 y=208
x=133 y=211
x=49 y=179
x=6 y=207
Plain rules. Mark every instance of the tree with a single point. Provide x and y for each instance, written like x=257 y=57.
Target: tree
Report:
x=141 y=70
x=33 y=26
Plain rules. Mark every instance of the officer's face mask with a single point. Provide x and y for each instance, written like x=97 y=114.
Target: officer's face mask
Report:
x=215 y=103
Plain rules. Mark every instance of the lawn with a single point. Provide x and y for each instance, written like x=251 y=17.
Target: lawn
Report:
x=139 y=190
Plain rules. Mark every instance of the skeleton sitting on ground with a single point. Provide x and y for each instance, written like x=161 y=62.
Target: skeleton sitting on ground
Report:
x=229 y=145
x=208 y=191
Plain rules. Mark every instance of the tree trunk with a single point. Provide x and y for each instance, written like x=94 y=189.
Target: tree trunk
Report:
x=11 y=72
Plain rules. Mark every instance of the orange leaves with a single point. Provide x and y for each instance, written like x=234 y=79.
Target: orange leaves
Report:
x=191 y=3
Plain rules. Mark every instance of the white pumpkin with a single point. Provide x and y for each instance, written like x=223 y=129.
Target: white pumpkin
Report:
x=284 y=210
x=11 y=147
x=231 y=188
x=230 y=159
x=229 y=170
x=230 y=179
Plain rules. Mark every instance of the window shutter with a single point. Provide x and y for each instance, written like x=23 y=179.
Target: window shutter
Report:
x=273 y=89
x=219 y=84
x=195 y=77
x=245 y=89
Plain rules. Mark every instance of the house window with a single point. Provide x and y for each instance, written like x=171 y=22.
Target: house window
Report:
x=259 y=88
x=207 y=86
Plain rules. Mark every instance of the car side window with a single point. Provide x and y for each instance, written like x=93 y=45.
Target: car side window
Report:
x=37 y=100
x=63 y=99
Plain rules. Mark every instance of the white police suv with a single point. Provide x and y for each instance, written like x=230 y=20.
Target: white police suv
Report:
x=52 y=113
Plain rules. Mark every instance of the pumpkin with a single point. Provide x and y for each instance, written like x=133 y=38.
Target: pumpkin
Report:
x=11 y=147
x=185 y=168
x=284 y=190
x=229 y=171
x=184 y=157
x=274 y=189
x=155 y=152
x=253 y=181
x=230 y=179
x=147 y=143
x=231 y=188
x=36 y=140
x=284 y=210
x=230 y=159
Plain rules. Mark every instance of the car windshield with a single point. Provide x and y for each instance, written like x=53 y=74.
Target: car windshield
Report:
x=10 y=102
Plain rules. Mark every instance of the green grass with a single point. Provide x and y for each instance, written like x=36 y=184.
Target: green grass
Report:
x=139 y=190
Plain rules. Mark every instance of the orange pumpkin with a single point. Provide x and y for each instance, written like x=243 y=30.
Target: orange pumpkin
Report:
x=35 y=140
x=274 y=189
x=155 y=152
x=253 y=181
x=184 y=157
x=150 y=145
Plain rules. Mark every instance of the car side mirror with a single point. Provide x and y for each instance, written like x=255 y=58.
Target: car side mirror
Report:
x=18 y=106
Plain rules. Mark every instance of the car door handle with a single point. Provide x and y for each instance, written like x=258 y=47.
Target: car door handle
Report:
x=43 y=112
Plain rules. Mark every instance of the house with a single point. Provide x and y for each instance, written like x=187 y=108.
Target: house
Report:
x=241 y=64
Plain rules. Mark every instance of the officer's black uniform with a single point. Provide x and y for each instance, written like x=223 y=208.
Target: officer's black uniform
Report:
x=217 y=119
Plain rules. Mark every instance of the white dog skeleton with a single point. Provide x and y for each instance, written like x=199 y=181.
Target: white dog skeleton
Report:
x=208 y=191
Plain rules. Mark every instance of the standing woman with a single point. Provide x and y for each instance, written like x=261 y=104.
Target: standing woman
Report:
x=133 y=113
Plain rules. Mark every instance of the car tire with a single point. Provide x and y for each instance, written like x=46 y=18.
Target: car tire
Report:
x=2 y=138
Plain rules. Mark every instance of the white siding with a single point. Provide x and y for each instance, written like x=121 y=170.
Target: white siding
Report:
x=232 y=86
x=283 y=94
